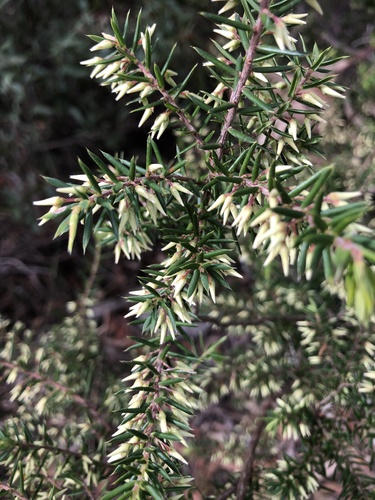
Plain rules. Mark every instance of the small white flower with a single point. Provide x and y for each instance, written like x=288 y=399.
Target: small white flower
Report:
x=212 y=288
x=332 y=92
x=179 y=282
x=53 y=201
x=92 y=62
x=307 y=123
x=242 y=221
x=150 y=30
x=108 y=42
x=294 y=19
x=182 y=189
x=138 y=87
x=146 y=115
x=122 y=89
x=291 y=143
x=154 y=167
x=168 y=77
x=160 y=124
x=141 y=191
x=217 y=202
x=262 y=217
x=313 y=99
x=292 y=128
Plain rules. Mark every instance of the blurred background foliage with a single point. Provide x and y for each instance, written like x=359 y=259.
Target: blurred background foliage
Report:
x=51 y=111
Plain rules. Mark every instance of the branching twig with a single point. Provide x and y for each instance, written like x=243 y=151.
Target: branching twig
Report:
x=61 y=388
x=241 y=488
x=60 y=451
x=227 y=493
x=90 y=283
x=334 y=393
x=247 y=472
x=170 y=100
x=291 y=318
x=245 y=73
x=17 y=494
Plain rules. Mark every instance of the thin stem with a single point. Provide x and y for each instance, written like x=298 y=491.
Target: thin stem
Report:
x=61 y=388
x=170 y=100
x=242 y=486
x=90 y=282
x=17 y=494
x=60 y=451
x=292 y=318
x=247 y=472
x=229 y=492
x=334 y=393
x=245 y=73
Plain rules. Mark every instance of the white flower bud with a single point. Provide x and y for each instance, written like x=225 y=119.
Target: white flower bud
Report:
x=108 y=42
x=330 y=91
x=292 y=128
x=313 y=99
x=217 y=203
x=92 y=62
x=182 y=189
x=146 y=115
x=55 y=201
x=294 y=19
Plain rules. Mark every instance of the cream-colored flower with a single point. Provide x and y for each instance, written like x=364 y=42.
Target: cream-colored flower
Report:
x=150 y=30
x=294 y=19
x=160 y=124
x=242 y=221
x=108 y=42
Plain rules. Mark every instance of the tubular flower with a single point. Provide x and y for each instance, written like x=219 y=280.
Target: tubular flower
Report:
x=160 y=124
x=108 y=42
x=274 y=232
x=242 y=221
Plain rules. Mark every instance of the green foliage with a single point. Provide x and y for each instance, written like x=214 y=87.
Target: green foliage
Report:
x=55 y=442
x=241 y=192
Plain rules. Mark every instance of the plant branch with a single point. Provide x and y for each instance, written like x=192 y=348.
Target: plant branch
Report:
x=17 y=494
x=292 y=318
x=247 y=472
x=90 y=281
x=244 y=75
x=241 y=488
x=62 y=451
x=78 y=399
x=170 y=100
x=334 y=393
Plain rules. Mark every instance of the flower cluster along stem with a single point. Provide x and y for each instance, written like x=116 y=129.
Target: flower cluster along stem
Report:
x=240 y=188
x=245 y=73
x=78 y=399
x=63 y=451
x=172 y=102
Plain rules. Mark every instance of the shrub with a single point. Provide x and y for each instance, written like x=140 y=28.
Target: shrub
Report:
x=240 y=198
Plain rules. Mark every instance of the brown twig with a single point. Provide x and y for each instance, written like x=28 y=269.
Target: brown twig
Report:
x=61 y=451
x=247 y=472
x=78 y=399
x=90 y=281
x=245 y=73
x=291 y=318
x=227 y=493
x=17 y=494
x=334 y=393
x=242 y=486
x=170 y=100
